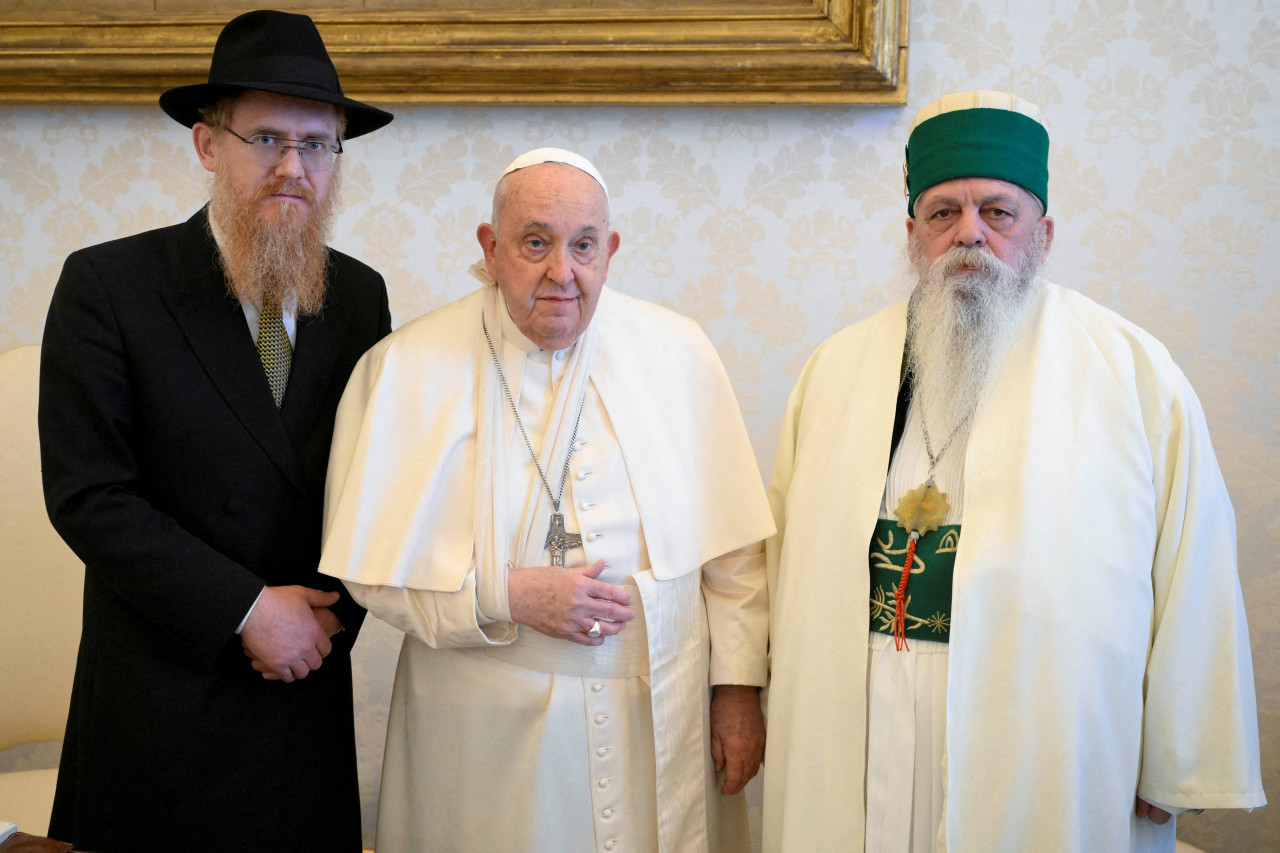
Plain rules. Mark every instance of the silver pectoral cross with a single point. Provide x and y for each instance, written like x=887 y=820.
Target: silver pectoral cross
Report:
x=560 y=540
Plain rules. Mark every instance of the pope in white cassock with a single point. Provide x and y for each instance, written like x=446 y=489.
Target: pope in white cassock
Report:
x=548 y=487
x=1004 y=607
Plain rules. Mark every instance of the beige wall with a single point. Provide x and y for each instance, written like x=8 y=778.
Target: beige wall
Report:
x=776 y=226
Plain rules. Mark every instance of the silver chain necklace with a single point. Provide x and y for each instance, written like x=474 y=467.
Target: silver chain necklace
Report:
x=928 y=446
x=919 y=511
x=558 y=539
x=924 y=428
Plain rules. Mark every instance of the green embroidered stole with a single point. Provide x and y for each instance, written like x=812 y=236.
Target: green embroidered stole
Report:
x=929 y=591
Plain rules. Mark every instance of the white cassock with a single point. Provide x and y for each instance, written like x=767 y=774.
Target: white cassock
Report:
x=1098 y=646
x=502 y=738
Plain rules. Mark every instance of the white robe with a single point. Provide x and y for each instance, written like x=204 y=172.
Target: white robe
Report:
x=486 y=745
x=1098 y=645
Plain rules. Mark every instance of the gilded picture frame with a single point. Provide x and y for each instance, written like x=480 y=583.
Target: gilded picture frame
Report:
x=482 y=51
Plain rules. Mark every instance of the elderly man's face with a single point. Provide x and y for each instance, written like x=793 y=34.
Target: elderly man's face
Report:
x=979 y=213
x=285 y=190
x=550 y=251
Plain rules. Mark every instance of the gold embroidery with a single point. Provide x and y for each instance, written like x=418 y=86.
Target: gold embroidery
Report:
x=938 y=553
x=883 y=607
x=880 y=558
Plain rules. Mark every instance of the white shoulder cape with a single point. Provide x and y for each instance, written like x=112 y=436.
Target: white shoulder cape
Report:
x=398 y=500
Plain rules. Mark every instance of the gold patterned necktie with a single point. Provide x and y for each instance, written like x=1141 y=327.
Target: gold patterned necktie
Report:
x=274 y=349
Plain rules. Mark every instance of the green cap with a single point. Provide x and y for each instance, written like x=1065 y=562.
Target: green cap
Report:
x=978 y=134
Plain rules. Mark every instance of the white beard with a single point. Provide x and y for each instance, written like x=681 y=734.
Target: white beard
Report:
x=960 y=325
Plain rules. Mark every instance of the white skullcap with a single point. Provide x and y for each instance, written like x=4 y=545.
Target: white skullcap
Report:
x=556 y=155
x=977 y=99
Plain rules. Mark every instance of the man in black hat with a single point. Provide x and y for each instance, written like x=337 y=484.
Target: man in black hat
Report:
x=188 y=384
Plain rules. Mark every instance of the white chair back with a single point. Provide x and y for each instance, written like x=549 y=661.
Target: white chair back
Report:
x=41 y=580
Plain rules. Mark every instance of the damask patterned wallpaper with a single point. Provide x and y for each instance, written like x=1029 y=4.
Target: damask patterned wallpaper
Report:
x=776 y=226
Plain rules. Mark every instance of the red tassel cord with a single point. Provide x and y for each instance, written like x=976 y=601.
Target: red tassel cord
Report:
x=900 y=597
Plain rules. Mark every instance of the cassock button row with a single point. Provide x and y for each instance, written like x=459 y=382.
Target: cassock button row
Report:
x=604 y=782
x=583 y=474
x=591 y=537
x=577 y=445
x=601 y=752
x=610 y=844
x=597 y=686
x=586 y=504
x=601 y=718
x=606 y=814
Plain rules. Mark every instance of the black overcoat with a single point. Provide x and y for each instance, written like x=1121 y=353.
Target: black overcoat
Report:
x=170 y=472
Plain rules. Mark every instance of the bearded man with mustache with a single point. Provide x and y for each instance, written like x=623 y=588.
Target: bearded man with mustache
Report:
x=189 y=380
x=283 y=261
x=1043 y=645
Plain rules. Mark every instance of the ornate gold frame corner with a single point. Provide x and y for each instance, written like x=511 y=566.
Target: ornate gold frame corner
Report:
x=520 y=51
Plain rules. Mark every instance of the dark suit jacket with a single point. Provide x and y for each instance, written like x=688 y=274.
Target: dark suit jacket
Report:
x=170 y=472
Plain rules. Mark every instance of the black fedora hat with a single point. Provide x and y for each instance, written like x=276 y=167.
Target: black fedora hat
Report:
x=271 y=52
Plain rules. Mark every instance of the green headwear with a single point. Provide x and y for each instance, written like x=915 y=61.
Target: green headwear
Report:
x=978 y=134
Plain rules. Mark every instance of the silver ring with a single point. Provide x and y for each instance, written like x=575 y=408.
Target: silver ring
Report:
x=595 y=629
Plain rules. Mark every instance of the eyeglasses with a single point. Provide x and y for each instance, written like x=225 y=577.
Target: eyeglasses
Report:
x=317 y=155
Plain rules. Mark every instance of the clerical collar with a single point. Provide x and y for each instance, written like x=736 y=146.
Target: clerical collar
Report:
x=512 y=334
